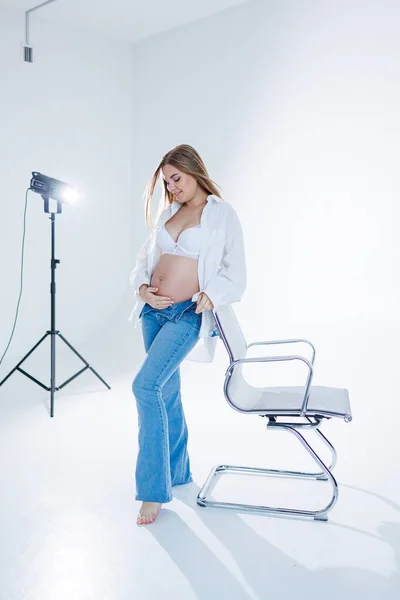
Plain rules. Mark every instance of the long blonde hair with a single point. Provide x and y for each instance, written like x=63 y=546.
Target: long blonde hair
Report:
x=186 y=159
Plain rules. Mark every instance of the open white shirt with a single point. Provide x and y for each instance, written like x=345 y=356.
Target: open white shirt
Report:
x=221 y=267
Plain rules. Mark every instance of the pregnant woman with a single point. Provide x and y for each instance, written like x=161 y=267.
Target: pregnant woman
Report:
x=192 y=262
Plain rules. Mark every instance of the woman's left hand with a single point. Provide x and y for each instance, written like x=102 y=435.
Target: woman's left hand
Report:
x=203 y=303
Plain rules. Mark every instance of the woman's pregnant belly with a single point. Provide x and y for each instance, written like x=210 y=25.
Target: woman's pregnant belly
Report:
x=176 y=277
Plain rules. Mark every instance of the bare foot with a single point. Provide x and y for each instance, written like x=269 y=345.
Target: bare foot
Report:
x=148 y=513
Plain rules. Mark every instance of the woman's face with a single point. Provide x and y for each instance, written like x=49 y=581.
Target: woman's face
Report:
x=181 y=185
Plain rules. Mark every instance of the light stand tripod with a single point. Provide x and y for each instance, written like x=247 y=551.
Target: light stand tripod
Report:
x=52 y=332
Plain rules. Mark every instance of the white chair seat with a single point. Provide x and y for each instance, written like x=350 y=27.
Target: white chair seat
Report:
x=279 y=400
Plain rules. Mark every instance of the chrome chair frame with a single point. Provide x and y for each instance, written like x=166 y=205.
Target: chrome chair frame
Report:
x=312 y=422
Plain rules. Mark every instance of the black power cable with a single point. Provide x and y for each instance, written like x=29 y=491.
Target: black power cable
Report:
x=21 y=279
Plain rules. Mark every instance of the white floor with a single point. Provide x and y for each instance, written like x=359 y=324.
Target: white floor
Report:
x=67 y=508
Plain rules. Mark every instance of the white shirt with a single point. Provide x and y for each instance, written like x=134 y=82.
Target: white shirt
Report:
x=221 y=267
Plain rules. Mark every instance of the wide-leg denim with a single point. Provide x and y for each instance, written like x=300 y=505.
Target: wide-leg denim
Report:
x=169 y=335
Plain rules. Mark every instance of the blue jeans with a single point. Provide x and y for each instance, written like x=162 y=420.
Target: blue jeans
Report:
x=169 y=335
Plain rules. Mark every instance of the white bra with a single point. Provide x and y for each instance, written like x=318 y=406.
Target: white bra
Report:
x=187 y=244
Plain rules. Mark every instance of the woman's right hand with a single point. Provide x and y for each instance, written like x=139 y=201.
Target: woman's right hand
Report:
x=159 y=302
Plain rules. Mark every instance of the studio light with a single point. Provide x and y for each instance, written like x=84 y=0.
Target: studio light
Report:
x=48 y=187
x=60 y=192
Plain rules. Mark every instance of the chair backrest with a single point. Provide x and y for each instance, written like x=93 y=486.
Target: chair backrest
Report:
x=231 y=333
x=238 y=392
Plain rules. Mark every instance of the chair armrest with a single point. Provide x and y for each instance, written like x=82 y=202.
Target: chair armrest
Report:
x=258 y=359
x=286 y=342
